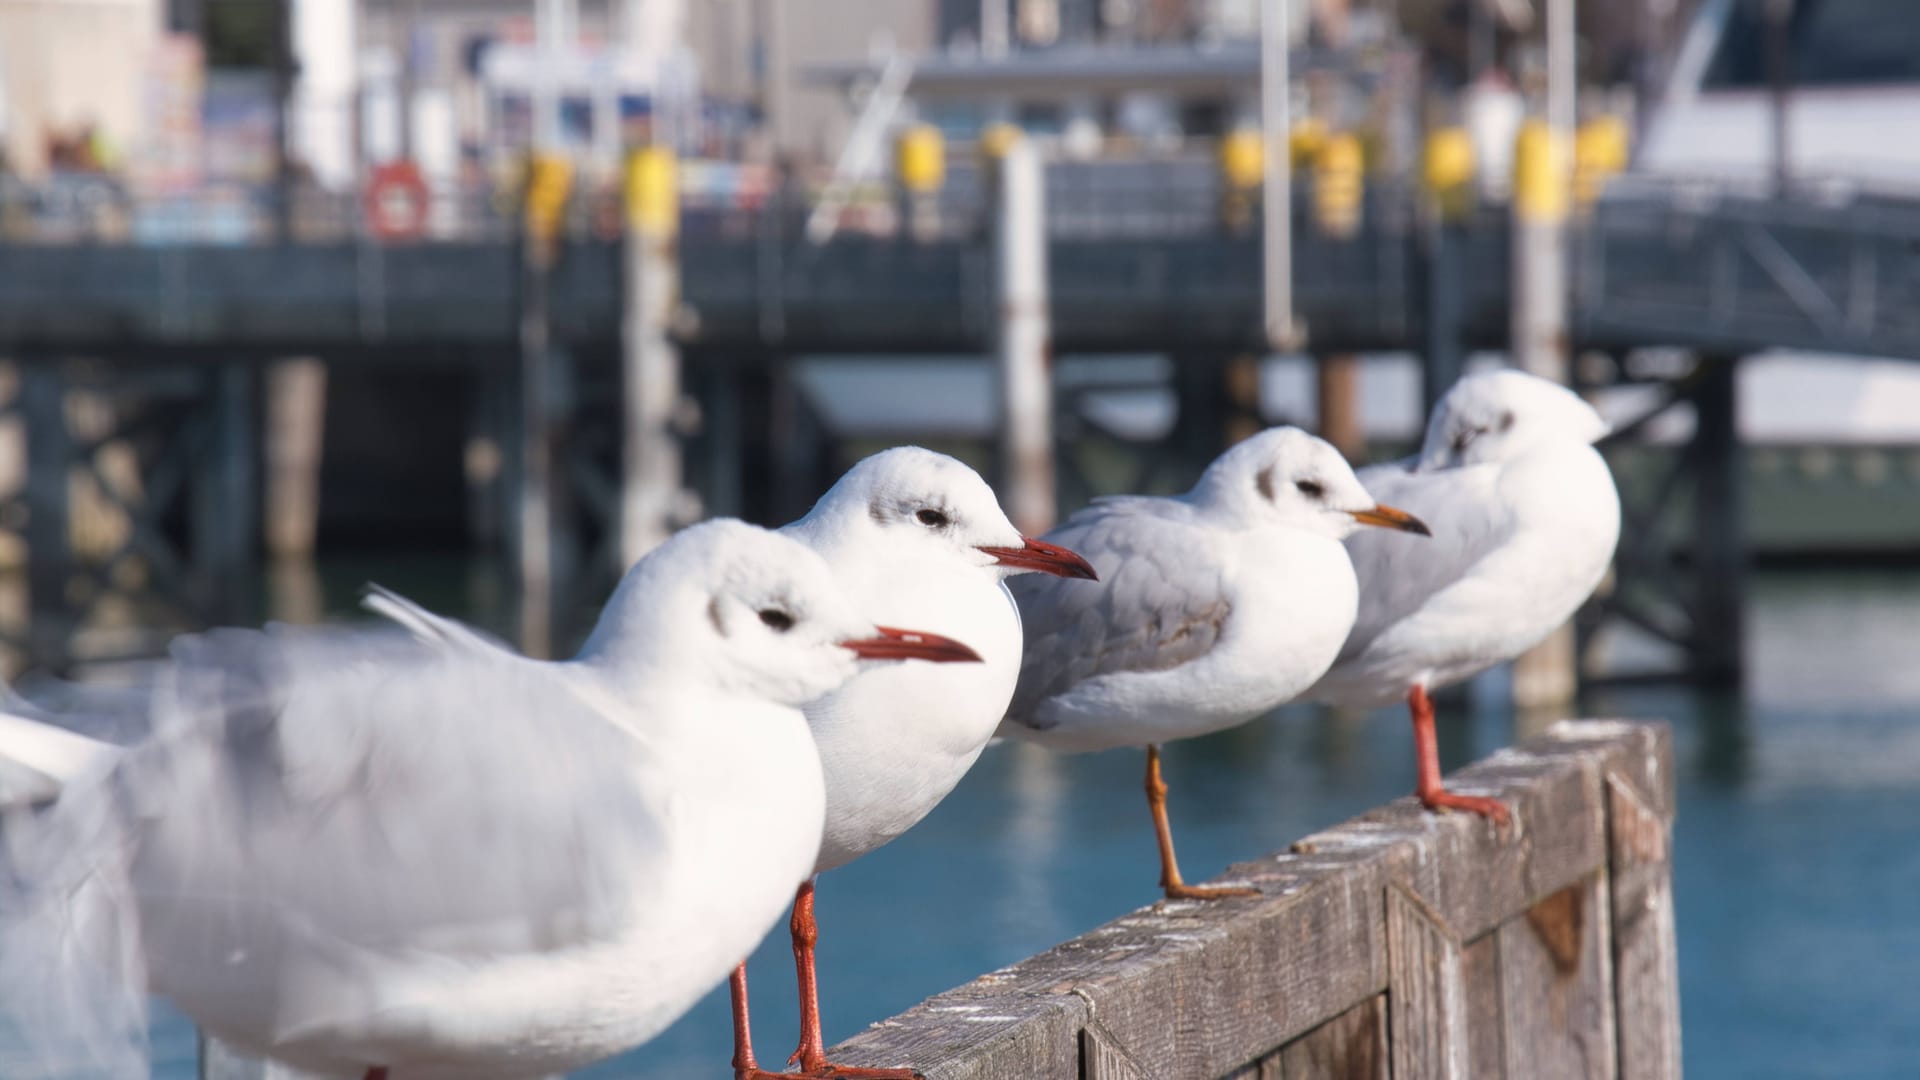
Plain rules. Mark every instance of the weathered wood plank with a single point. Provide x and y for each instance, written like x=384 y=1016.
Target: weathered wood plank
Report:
x=1103 y=1058
x=1351 y=1046
x=1201 y=990
x=1556 y=975
x=1428 y=992
x=999 y=1026
x=1646 y=968
x=1198 y=989
x=1480 y=971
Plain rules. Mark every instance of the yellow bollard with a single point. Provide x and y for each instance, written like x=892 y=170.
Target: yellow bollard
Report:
x=1339 y=185
x=1540 y=189
x=1242 y=158
x=1599 y=153
x=1242 y=164
x=1447 y=167
x=653 y=191
x=549 y=183
x=920 y=159
x=1305 y=140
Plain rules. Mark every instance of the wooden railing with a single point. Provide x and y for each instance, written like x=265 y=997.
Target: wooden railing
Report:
x=1401 y=944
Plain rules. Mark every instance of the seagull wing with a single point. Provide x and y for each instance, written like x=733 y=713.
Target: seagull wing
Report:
x=373 y=802
x=1159 y=602
x=1404 y=580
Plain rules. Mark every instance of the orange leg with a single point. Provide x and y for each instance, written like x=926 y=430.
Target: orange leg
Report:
x=1433 y=793
x=1170 y=881
x=378 y=1072
x=812 y=1054
x=744 y=1067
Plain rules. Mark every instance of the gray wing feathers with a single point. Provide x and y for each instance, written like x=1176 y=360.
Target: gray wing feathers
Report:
x=1156 y=606
x=1397 y=576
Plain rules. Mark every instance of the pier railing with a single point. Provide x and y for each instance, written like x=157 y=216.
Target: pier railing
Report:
x=1400 y=944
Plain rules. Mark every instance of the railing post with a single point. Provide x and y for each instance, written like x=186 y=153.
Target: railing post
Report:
x=1022 y=342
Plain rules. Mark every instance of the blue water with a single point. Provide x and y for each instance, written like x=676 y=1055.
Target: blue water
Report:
x=1797 y=867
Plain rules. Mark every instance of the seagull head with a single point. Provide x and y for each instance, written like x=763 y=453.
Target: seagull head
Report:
x=912 y=500
x=750 y=611
x=1285 y=476
x=1502 y=415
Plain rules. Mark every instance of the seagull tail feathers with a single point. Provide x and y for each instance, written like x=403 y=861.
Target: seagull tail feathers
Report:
x=73 y=1000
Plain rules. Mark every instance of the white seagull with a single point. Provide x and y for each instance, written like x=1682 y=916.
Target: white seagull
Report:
x=916 y=537
x=412 y=853
x=1525 y=519
x=1213 y=608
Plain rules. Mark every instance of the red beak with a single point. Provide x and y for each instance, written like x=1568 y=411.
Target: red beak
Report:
x=1044 y=557
x=894 y=644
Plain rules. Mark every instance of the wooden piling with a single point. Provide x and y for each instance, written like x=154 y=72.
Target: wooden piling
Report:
x=1339 y=404
x=1401 y=943
x=296 y=411
x=1022 y=339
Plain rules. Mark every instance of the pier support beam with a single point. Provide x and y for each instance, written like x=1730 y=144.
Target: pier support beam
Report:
x=43 y=404
x=224 y=511
x=1338 y=385
x=1719 y=524
x=1022 y=339
x=296 y=417
x=533 y=520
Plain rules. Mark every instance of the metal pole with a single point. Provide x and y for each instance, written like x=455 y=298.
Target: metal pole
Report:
x=1780 y=86
x=1545 y=677
x=1277 y=185
x=994 y=30
x=1023 y=345
x=651 y=471
x=282 y=16
x=1561 y=72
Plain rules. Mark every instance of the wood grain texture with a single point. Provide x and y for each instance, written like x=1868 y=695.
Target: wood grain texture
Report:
x=1351 y=1046
x=1645 y=961
x=1556 y=986
x=1103 y=1058
x=1209 y=990
x=1486 y=1025
x=1429 y=1002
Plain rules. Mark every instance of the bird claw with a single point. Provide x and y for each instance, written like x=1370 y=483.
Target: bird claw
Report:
x=1184 y=891
x=1444 y=800
x=830 y=1071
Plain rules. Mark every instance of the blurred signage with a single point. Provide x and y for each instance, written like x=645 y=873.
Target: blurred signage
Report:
x=167 y=158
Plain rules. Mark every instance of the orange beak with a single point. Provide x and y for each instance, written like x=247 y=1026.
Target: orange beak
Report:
x=1044 y=557
x=892 y=644
x=1387 y=517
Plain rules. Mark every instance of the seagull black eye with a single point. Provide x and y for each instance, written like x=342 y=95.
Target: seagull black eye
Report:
x=1310 y=488
x=779 y=620
x=1506 y=421
x=932 y=519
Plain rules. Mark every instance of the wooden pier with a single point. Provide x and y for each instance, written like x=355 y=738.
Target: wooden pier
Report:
x=1400 y=944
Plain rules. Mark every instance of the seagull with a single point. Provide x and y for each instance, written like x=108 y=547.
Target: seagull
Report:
x=1527 y=519
x=916 y=537
x=1213 y=608
x=410 y=853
